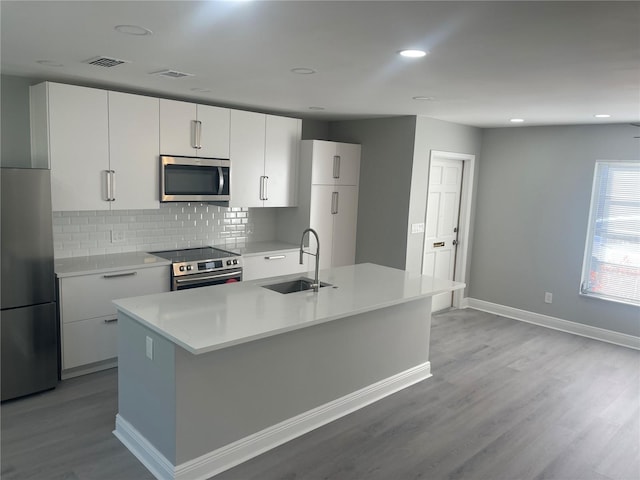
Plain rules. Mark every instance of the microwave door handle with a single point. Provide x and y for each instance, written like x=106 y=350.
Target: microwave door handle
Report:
x=220 y=181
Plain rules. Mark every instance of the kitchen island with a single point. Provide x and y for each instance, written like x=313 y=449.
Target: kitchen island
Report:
x=213 y=376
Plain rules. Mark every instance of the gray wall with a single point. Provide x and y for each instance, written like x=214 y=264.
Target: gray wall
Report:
x=534 y=190
x=14 y=128
x=385 y=179
x=432 y=134
x=315 y=130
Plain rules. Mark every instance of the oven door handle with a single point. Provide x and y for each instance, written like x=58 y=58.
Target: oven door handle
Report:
x=183 y=281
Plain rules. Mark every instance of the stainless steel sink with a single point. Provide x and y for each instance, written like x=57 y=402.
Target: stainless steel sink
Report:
x=293 y=286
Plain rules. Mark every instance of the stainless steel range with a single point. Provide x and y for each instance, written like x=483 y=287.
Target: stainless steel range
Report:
x=201 y=267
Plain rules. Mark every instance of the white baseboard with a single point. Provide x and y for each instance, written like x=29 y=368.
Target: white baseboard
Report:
x=229 y=456
x=149 y=456
x=596 y=333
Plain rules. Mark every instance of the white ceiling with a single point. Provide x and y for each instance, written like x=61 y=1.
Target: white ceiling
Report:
x=546 y=62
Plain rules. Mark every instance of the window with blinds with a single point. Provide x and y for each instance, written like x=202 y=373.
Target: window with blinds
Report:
x=611 y=268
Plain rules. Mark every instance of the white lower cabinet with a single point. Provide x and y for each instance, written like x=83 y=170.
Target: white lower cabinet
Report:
x=273 y=264
x=89 y=341
x=88 y=321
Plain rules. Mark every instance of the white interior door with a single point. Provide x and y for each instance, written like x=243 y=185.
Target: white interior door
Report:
x=441 y=226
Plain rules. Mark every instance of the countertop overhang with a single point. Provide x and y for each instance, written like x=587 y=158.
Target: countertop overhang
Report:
x=205 y=319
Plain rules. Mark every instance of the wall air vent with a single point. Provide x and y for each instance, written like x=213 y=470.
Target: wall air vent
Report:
x=172 y=74
x=106 y=62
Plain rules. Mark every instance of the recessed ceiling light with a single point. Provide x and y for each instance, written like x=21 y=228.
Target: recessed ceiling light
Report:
x=201 y=90
x=420 y=97
x=316 y=108
x=132 y=30
x=412 y=53
x=49 y=63
x=517 y=120
x=303 y=71
x=602 y=115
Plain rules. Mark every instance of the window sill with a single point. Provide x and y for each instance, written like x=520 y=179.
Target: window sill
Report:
x=607 y=298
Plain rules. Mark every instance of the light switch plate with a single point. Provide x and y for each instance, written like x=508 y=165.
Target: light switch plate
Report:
x=417 y=228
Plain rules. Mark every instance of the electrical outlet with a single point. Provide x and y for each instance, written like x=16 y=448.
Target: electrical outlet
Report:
x=548 y=297
x=150 y=348
x=118 y=236
x=417 y=228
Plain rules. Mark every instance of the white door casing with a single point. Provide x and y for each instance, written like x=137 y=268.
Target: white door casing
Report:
x=441 y=226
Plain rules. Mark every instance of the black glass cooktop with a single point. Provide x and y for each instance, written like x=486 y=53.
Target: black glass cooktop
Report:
x=194 y=254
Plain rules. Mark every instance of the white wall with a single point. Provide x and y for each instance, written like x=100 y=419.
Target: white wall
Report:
x=532 y=209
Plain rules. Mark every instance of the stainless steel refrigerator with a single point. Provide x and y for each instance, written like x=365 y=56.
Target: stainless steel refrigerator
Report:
x=28 y=324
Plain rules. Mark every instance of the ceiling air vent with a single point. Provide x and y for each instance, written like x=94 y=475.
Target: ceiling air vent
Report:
x=106 y=62
x=172 y=74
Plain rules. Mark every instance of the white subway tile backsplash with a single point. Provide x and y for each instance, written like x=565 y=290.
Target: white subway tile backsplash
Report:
x=174 y=225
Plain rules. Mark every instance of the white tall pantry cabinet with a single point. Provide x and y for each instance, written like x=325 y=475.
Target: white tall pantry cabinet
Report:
x=328 y=200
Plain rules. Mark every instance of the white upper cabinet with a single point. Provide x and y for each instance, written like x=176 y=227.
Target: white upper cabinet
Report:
x=74 y=133
x=102 y=147
x=247 y=158
x=335 y=163
x=193 y=130
x=134 y=150
x=214 y=137
x=282 y=145
x=264 y=156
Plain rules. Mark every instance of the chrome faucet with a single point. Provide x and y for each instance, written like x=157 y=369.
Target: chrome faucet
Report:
x=316 y=283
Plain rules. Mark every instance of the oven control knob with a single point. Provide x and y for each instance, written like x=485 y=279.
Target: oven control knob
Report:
x=182 y=268
x=189 y=267
x=235 y=262
x=228 y=262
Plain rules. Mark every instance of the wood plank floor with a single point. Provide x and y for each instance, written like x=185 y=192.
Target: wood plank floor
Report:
x=507 y=401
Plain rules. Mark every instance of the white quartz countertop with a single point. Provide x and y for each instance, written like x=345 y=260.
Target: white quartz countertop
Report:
x=261 y=248
x=74 y=266
x=205 y=319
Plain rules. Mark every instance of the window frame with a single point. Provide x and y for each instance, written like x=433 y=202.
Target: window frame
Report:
x=590 y=235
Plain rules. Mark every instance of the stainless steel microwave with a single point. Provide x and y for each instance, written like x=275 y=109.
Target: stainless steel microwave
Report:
x=192 y=179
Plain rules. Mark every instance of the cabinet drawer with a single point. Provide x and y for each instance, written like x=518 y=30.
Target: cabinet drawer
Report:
x=90 y=296
x=89 y=341
x=272 y=265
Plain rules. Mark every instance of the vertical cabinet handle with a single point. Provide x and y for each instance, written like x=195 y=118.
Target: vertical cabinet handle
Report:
x=113 y=185
x=107 y=177
x=336 y=166
x=110 y=190
x=196 y=134
x=334 y=203
x=264 y=181
x=263 y=187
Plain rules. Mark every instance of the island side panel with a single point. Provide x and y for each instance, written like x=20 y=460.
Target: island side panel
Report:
x=146 y=388
x=226 y=395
